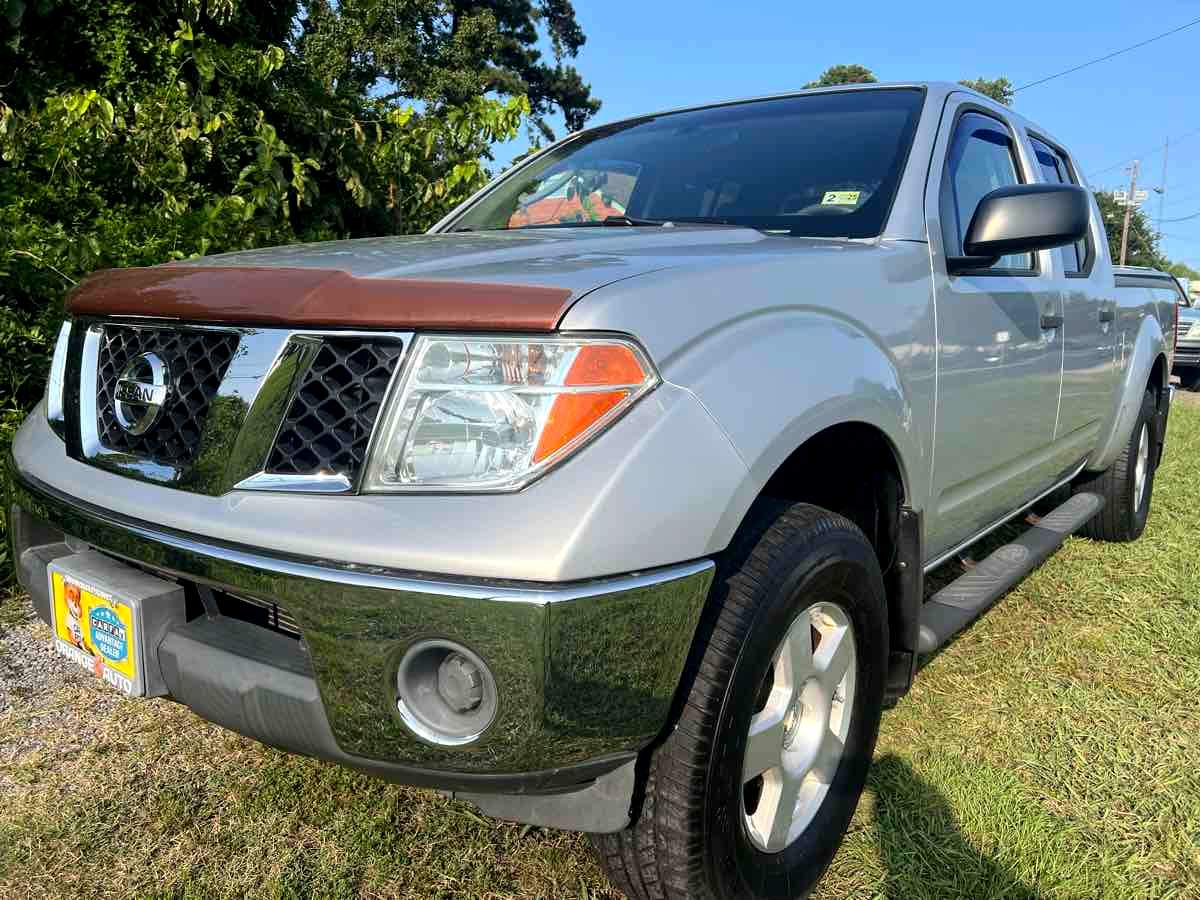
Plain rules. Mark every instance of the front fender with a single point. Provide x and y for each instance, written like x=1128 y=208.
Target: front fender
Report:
x=782 y=340
x=1147 y=346
x=785 y=375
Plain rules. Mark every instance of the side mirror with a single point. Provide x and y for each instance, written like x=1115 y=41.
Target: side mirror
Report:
x=1022 y=218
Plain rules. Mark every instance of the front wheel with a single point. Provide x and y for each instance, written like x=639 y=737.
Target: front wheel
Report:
x=1128 y=484
x=751 y=793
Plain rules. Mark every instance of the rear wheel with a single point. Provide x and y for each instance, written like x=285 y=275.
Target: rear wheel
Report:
x=1128 y=484
x=751 y=793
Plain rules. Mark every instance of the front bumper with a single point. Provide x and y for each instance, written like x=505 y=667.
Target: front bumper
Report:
x=586 y=672
x=1187 y=354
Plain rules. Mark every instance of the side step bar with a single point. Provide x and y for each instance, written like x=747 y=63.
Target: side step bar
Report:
x=962 y=601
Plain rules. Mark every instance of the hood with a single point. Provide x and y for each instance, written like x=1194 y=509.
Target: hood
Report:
x=519 y=280
x=576 y=259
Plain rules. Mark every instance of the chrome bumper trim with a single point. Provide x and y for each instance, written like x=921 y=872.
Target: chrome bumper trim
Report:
x=352 y=575
x=583 y=669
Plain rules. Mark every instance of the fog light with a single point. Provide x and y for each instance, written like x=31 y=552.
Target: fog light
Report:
x=445 y=693
x=460 y=683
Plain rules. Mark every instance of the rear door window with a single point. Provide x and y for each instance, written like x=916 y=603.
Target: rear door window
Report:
x=1056 y=171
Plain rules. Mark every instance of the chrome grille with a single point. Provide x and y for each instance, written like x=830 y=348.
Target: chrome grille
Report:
x=197 y=361
x=210 y=409
x=328 y=424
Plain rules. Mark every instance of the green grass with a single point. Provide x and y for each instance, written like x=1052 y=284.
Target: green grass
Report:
x=1053 y=750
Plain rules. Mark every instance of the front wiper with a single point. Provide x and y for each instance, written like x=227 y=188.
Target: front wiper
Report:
x=632 y=222
x=619 y=221
x=626 y=221
x=667 y=223
x=707 y=220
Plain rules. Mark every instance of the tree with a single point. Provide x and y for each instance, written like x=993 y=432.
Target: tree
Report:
x=1142 y=247
x=1183 y=270
x=846 y=74
x=452 y=51
x=134 y=132
x=999 y=89
x=132 y=137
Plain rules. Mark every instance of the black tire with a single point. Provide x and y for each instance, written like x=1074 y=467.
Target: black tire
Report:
x=1123 y=518
x=690 y=839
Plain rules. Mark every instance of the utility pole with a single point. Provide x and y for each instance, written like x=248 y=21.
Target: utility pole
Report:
x=1162 y=187
x=1133 y=174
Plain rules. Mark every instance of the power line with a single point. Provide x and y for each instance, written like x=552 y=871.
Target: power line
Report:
x=1101 y=59
x=1195 y=215
x=1143 y=154
x=1190 y=195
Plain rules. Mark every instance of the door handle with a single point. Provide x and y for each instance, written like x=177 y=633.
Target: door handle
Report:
x=1108 y=315
x=1051 y=321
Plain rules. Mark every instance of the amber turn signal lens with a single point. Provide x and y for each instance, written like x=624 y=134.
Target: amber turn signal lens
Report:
x=605 y=364
x=572 y=415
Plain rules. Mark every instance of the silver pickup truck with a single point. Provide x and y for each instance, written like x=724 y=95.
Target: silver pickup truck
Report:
x=607 y=504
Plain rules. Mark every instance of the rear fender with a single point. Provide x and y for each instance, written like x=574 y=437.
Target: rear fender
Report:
x=1147 y=346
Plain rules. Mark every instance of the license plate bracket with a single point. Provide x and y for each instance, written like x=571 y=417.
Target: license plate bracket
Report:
x=109 y=618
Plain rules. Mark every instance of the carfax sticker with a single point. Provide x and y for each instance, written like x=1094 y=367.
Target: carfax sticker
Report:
x=109 y=634
x=841 y=198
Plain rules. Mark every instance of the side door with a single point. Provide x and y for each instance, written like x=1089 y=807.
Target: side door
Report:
x=1089 y=325
x=999 y=339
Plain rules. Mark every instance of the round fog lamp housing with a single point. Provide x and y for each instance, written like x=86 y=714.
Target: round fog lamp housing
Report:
x=445 y=693
x=460 y=683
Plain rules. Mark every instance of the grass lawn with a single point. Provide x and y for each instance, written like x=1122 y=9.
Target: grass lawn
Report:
x=1052 y=750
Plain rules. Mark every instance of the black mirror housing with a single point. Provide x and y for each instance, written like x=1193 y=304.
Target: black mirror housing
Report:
x=1022 y=218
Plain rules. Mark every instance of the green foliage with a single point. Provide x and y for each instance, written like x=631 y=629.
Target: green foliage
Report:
x=845 y=74
x=205 y=136
x=143 y=139
x=452 y=51
x=134 y=132
x=22 y=371
x=1142 y=248
x=1183 y=270
x=999 y=89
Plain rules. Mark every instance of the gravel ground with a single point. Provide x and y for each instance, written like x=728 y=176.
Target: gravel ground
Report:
x=33 y=677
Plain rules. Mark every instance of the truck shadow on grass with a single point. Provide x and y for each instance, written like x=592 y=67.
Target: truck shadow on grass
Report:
x=921 y=847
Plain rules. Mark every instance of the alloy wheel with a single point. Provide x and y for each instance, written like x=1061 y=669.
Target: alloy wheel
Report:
x=798 y=732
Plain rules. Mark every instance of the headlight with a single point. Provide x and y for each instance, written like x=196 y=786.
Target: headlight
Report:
x=56 y=380
x=492 y=414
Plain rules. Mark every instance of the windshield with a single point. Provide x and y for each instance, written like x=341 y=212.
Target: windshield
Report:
x=823 y=165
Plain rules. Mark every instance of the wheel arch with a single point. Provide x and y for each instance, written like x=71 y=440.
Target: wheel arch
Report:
x=876 y=497
x=859 y=446
x=1147 y=368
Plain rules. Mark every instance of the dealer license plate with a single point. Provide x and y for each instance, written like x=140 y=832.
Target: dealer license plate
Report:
x=96 y=630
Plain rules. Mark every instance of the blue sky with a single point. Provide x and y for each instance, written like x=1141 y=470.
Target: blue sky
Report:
x=656 y=54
